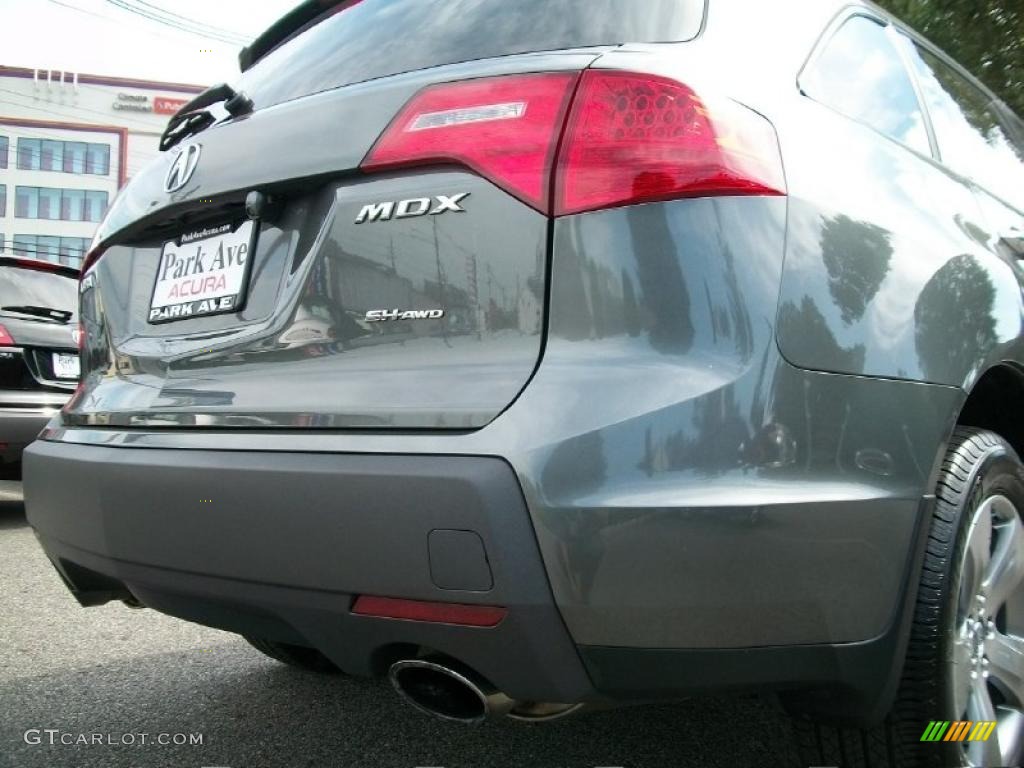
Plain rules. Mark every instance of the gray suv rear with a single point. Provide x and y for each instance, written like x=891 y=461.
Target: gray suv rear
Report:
x=553 y=359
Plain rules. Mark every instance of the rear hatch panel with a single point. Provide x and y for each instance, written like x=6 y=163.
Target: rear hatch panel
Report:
x=301 y=352
x=336 y=259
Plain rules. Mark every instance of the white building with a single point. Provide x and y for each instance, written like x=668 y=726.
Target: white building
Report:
x=68 y=143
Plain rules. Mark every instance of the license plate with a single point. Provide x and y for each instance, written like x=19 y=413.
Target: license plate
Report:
x=66 y=366
x=203 y=273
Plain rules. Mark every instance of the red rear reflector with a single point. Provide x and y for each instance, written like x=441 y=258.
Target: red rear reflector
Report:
x=639 y=138
x=629 y=138
x=6 y=340
x=504 y=128
x=38 y=264
x=419 y=610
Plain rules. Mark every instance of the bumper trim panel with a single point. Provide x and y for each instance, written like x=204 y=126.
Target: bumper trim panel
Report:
x=280 y=545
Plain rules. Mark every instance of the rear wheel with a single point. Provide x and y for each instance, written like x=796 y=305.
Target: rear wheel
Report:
x=298 y=656
x=965 y=660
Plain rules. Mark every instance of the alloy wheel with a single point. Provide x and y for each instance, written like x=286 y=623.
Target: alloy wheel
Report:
x=987 y=664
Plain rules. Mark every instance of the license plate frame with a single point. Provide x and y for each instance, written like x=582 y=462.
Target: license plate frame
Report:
x=198 y=266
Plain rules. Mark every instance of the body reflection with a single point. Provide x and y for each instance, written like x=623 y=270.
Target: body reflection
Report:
x=956 y=326
x=660 y=273
x=856 y=256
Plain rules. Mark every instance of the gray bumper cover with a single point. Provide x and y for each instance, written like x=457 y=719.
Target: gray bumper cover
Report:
x=279 y=544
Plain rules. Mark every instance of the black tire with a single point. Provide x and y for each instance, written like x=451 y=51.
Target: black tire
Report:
x=978 y=465
x=297 y=656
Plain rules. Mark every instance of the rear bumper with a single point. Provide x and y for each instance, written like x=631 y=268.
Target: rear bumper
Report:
x=279 y=545
x=18 y=428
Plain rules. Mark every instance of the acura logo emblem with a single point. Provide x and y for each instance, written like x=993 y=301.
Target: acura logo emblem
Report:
x=182 y=167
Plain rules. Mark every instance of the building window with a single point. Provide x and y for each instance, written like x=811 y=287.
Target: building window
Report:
x=25 y=246
x=3 y=200
x=51 y=155
x=4 y=142
x=60 y=204
x=26 y=200
x=72 y=250
x=72 y=205
x=49 y=203
x=1 y=242
x=59 y=156
x=48 y=247
x=95 y=205
x=97 y=159
x=60 y=250
x=74 y=157
x=29 y=152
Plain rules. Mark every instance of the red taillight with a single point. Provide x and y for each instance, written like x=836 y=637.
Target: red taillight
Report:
x=420 y=610
x=504 y=128
x=6 y=340
x=628 y=138
x=640 y=138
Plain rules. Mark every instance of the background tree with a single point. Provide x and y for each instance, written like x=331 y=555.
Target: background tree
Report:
x=985 y=36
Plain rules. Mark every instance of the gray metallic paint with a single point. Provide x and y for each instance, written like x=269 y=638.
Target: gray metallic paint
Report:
x=290 y=569
x=892 y=268
x=300 y=353
x=695 y=479
x=662 y=433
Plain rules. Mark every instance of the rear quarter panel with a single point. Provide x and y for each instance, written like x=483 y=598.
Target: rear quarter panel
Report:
x=890 y=269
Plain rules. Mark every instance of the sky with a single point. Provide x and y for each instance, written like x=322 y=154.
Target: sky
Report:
x=102 y=37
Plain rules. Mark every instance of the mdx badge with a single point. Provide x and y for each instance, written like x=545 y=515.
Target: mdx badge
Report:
x=414 y=206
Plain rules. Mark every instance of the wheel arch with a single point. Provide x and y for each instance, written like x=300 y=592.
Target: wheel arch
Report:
x=996 y=402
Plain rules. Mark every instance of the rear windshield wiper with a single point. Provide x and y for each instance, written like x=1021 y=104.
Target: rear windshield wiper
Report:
x=193 y=116
x=59 y=315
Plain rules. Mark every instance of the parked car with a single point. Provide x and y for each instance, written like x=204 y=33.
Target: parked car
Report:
x=732 y=401
x=38 y=355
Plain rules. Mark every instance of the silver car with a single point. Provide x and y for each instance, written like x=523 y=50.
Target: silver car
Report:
x=39 y=365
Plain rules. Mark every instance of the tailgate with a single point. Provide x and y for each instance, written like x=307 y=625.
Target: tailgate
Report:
x=406 y=298
x=352 y=290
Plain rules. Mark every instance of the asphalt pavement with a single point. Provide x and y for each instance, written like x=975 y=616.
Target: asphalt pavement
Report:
x=104 y=686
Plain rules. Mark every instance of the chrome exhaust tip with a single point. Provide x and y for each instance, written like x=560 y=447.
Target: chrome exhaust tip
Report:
x=448 y=691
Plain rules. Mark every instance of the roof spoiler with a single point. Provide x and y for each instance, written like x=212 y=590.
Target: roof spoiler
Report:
x=283 y=28
x=39 y=265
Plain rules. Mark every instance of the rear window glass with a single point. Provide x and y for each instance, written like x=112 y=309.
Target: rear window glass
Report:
x=32 y=288
x=860 y=74
x=972 y=136
x=367 y=39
